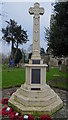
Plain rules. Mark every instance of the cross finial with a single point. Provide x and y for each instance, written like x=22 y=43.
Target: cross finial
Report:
x=36 y=10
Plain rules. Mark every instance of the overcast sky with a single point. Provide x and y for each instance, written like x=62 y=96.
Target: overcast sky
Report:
x=19 y=12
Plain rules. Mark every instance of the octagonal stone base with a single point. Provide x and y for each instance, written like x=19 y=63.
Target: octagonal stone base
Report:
x=35 y=102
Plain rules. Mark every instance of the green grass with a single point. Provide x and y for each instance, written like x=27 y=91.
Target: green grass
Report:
x=55 y=74
x=57 y=79
x=15 y=77
x=12 y=76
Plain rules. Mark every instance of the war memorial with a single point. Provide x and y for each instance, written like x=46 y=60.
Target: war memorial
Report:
x=35 y=96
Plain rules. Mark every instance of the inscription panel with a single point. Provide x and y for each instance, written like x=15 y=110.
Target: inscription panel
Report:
x=35 y=61
x=35 y=76
x=35 y=88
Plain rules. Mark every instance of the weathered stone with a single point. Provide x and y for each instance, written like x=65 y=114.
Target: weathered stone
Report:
x=36 y=11
x=44 y=101
x=35 y=96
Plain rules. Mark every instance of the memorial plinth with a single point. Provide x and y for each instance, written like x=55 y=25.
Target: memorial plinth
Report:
x=35 y=96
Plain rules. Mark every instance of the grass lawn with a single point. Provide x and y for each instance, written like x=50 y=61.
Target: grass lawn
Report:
x=15 y=77
x=55 y=74
x=57 y=79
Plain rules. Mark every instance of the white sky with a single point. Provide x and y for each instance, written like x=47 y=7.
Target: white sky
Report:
x=19 y=12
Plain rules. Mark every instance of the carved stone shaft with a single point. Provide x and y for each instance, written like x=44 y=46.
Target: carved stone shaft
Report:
x=36 y=11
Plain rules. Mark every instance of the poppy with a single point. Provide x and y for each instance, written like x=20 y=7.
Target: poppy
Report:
x=11 y=93
x=30 y=117
x=14 y=115
x=6 y=111
x=45 y=117
x=4 y=101
x=26 y=117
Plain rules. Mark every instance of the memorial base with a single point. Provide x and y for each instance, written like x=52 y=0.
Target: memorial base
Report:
x=36 y=102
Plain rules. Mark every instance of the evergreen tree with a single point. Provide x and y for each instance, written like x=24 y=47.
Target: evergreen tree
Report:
x=14 y=33
x=57 y=36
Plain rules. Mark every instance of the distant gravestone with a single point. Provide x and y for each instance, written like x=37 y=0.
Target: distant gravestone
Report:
x=60 y=65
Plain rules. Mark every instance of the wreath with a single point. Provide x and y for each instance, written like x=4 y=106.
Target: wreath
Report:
x=4 y=101
x=14 y=115
x=29 y=117
x=6 y=111
x=45 y=117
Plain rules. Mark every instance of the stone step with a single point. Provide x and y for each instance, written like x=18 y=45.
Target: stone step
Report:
x=41 y=86
x=45 y=101
x=34 y=93
x=50 y=109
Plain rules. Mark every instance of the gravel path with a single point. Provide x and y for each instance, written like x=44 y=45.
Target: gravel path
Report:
x=62 y=114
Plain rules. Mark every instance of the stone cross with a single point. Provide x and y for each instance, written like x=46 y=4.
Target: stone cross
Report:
x=36 y=11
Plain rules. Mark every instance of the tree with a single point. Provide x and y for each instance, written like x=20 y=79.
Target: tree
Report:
x=9 y=34
x=20 y=37
x=42 y=51
x=18 y=55
x=30 y=54
x=58 y=34
x=14 y=33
